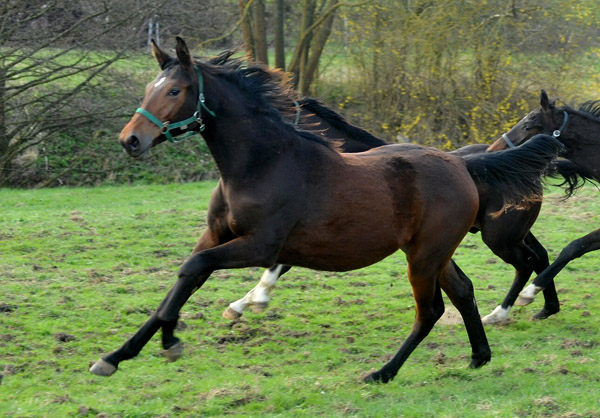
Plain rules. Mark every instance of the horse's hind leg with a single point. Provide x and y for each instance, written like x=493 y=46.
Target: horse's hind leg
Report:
x=459 y=289
x=258 y=297
x=577 y=248
x=423 y=277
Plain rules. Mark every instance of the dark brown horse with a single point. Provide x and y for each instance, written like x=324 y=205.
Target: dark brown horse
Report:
x=288 y=197
x=579 y=131
x=507 y=235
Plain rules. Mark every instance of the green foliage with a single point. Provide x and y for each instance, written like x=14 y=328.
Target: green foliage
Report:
x=82 y=268
x=450 y=73
x=444 y=73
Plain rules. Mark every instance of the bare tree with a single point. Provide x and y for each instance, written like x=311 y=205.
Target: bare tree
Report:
x=47 y=68
x=316 y=22
x=260 y=31
x=279 y=33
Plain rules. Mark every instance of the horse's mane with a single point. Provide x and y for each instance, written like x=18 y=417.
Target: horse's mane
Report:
x=591 y=107
x=575 y=177
x=338 y=122
x=267 y=91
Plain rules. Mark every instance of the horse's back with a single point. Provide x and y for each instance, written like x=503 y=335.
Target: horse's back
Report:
x=381 y=200
x=445 y=199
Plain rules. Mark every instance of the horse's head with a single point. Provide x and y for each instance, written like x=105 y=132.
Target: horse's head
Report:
x=547 y=119
x=172 y=103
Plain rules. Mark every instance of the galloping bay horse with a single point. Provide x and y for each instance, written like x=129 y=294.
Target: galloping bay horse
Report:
x=507 y=234
x=579 y=131
x=289 y=197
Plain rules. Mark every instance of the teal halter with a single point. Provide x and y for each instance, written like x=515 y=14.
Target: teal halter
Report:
x=166 y=126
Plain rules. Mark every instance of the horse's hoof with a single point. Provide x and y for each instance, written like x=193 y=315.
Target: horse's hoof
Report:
x=103 y=368
x=376 y=377
x=481 y=361
x=497 y=316
x=258 y=307
x=231 y=314
x=174 y=352
x=527 y=295
x=545 y=313
x=523 y=300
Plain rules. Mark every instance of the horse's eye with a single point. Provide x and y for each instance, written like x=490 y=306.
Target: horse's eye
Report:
x=173 y=92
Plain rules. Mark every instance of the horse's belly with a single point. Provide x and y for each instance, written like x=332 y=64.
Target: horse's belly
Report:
x=348 y=249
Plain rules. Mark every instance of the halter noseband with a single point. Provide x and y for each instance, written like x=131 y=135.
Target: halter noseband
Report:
x=166 y=126
x=555 y=134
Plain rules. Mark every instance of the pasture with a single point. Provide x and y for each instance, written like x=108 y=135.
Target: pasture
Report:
x=81 y=269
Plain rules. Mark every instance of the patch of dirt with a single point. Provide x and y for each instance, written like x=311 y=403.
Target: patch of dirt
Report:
x=64 y=337
x=341 y=302
x=6 y=308
x=451 y=317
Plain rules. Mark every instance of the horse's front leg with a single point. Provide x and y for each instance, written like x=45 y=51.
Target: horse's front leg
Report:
x=241 y=252
x=258 y=297
x=108 y=365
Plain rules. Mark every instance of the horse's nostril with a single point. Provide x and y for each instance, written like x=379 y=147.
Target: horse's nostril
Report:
x=133 y=143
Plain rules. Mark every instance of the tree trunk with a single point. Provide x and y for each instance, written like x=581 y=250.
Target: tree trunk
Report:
x=378 y=46
x=279 y=34
x=302 y=49
x=246 y=25
x=317 y=45
x=3 y=133
x=260 y=32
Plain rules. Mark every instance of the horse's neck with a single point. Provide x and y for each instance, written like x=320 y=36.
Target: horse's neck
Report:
x=242 y=146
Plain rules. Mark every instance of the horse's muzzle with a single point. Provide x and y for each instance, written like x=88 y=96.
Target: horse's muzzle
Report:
x=132 y=144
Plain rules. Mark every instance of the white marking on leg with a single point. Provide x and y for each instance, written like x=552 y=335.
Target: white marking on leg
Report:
x=259 y=294
x=528 y=294
x=497 y=316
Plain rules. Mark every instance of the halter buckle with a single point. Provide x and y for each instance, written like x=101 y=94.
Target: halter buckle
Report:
x=165 y=127
x=556 y=133
x=198 y=116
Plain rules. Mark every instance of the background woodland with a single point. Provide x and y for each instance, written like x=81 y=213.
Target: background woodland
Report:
x=440 y=73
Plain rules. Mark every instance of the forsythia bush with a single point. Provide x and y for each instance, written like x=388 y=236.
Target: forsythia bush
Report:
x=449 y=73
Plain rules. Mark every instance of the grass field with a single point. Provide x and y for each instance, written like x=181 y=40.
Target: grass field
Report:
x=81 y=269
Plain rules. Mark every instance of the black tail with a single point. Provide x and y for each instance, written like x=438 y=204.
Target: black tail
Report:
x=355 y=139
x=574 y=176
x=515 y=173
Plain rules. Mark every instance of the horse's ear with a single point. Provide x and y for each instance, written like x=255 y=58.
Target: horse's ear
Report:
x=545 y=101
x=183 y=55
x=160 y=56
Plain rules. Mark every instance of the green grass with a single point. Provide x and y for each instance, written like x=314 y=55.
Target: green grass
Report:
x=80 y=269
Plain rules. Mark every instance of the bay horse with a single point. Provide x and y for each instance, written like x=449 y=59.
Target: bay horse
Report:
x=288 y=197
x=579 y=131
x=507 y=234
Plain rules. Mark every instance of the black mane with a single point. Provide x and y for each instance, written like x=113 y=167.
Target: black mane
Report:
x=268 y=92
x=589 y=109
x=338 y=122
x=592 y=108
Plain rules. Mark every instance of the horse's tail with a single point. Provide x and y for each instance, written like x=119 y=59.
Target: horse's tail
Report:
x=515 y=173
x=574 y=177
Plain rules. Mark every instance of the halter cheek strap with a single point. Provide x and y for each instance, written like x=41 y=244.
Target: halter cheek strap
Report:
x=555 y=134
x=166 y=127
